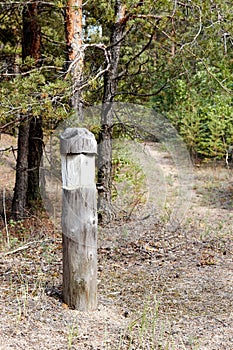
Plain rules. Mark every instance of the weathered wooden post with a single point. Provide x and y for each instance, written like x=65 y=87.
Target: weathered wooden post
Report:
x=79 y=218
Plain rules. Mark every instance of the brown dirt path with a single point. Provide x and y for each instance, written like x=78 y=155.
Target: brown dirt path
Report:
x=160 y=287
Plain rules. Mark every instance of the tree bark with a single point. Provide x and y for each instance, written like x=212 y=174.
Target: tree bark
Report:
x=79 y=219
x=31 y=48
x=75 y=51
x=105 y=208
x=21 y=182
x=34 y=159
x=31 y=41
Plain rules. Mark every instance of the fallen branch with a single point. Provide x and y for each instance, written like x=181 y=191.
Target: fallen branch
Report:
x=23 y=247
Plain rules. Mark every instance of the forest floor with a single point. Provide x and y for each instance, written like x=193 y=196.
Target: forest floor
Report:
x=161 y=284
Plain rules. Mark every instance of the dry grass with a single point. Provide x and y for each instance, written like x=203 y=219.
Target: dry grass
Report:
x=159 y=288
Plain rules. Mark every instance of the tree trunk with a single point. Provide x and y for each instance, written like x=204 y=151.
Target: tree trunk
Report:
x=34 y=159
x=31 y=41
x=105 y=208
x=75 y=51
x=30 y=130
x=21 y=182
x=31 y=48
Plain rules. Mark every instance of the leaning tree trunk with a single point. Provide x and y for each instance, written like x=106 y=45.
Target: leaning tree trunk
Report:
x=30 y=132
x=105 y=208
x=75 y=52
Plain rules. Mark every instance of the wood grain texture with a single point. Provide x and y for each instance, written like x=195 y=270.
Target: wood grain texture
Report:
x=79 y=222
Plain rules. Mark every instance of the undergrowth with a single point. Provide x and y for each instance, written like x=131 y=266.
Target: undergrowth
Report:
x=129 y=180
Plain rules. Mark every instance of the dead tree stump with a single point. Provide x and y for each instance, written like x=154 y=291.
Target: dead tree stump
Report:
x=79 y=218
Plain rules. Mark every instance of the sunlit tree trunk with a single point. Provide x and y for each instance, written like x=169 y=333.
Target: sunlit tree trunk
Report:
x=75 y=51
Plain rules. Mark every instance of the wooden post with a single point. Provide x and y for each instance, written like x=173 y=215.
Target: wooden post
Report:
x=79 y=218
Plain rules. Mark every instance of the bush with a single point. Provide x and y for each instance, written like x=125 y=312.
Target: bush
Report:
x=202 y=112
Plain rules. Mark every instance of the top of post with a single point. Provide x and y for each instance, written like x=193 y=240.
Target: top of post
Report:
x=77 y=140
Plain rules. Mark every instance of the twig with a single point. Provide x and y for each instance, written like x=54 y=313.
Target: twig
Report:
x=8 y=149
x=137 y=201
x=26 y=246
x=17 y=120
x=223 y=323
x=23 y=247
x=199 y=29
x=31 y=71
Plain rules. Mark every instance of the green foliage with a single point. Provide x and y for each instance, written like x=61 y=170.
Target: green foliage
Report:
x=202 y=111
x=26 y=88
x=181 y=53
x=34 y=95
x=197 y=94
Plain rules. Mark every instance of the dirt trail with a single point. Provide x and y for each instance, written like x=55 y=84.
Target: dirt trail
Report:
x=160 y=286
x=188 y=267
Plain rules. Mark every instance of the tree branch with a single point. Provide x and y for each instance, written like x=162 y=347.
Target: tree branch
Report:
x=142 y=95
x=18 y=120
x=136 y=56
x=30 y=71
x=89 y=82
